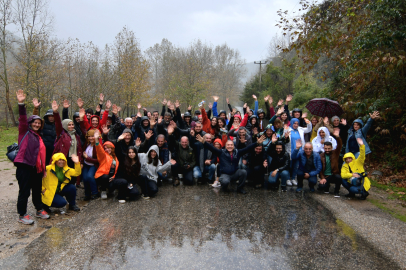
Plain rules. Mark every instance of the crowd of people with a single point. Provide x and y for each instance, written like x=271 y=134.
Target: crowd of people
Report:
x=269 y=148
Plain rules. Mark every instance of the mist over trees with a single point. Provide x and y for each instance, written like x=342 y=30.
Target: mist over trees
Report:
x=34 y=59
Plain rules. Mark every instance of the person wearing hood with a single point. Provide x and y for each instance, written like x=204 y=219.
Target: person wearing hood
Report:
x=30 y=162
x=298 y=114
x=264 y=117
x=255 y=168
x=222 y=113
x=296 y=133
x=185 y=158
x=76 y=121
x=234 y=123
x=323 y=135
x=279 y=165
x=164 y=157
x=309 y=165
x=150 y=166
x=90 y=166
x=143 y=125
x=95 y=121
x=228 y=162
x=330 y=173
x=253 y=125
x=353 y=173
x=55 y=184
x=48 y=131
x=67 y=142
x=358 y=130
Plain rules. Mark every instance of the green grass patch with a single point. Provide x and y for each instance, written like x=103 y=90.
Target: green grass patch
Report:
x=389 y=188
x=7 y=137
x=380 y=205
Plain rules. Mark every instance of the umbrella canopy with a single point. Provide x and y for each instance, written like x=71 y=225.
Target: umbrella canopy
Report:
x=324 y=107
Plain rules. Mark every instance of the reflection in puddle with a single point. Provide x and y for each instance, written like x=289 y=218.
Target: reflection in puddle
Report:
x=194 y=228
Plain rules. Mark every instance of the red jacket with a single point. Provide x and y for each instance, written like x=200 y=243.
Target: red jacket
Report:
x=63 y=140
x=207 y=124
x=102 y=121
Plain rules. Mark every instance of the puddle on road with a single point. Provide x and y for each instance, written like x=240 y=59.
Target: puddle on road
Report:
x=196 y=228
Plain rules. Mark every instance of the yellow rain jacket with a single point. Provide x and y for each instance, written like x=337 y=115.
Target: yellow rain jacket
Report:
x=50 y=182
x=357 y=166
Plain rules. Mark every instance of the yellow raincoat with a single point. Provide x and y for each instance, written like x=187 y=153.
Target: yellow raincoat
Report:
x=357 y=166
x=50 y=182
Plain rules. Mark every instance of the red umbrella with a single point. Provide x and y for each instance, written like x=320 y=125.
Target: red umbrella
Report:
x=324 y=107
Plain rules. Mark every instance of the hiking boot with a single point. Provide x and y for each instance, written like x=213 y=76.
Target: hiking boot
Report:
x=74 y=208
x=104 y=195
x=26 y=219
x=42 y=214
x=288 y=182
x=176 y=182
x=364 y=195
x=95 y=196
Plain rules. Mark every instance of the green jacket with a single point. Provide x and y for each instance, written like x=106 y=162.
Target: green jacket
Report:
x=183 y=155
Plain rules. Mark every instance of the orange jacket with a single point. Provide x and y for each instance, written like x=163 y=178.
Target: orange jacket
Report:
x=207 y=124
x=105 y=160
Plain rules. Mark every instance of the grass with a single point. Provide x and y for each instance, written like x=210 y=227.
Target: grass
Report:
x=381 y=205
x=7 y=137
x=389 y=188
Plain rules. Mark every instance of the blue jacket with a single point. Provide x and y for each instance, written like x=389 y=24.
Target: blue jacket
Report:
x=215 y=113
x=302 y=162
x=228 y=166
x=360 y=133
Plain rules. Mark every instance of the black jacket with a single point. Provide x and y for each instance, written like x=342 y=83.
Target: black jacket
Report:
x=281 y=161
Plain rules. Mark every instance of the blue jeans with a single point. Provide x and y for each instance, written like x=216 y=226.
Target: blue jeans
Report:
x=294 y=167
x=89 y=180
x=284 y=175
x=351 y=189
x=197 y=173
x=300 y=176
x=69 y=191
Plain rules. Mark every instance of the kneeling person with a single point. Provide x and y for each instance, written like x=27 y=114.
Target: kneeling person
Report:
x=56 y=185
x=279 y=167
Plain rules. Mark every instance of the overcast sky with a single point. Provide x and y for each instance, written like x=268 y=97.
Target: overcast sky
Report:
x=244 y=25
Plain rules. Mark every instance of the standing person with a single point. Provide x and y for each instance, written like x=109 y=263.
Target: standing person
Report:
x=90 y=166
x=330 y=173
x=30 y=162
x=279 y=165
x=67 y=142
x=150 y=166
x=296 y=133
x=55 y=184
x=353 y=173
x=309 y=165
x=48 y=131
x=358 y=130
x=228 y=161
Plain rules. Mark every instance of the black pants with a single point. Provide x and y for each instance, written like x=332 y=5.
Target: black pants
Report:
x=148 y=187
x=48 y=157
x=332 y=179
x=123 y=191
x=71 y=164
x=256 y=174
x=28 y=179
x=187 y=174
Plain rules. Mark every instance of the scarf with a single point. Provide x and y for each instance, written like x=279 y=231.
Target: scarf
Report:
x=40 y=164
x=61 y=177
x=73 y=144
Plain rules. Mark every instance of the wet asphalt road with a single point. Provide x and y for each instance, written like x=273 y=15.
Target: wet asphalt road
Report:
x=198 y=228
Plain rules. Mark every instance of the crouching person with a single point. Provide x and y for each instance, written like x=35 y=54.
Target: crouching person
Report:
x=353 y=173
x=55 y=184
x=279 y=167
x=309 y=165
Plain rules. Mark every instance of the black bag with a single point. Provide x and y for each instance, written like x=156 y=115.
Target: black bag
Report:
x=12 y=150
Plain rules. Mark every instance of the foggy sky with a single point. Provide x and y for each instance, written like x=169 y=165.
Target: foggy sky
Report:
x=244 y=25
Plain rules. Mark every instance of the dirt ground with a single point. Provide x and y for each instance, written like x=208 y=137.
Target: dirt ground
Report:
x=15 y=235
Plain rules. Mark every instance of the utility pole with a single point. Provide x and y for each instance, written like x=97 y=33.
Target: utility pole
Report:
x=260 y=73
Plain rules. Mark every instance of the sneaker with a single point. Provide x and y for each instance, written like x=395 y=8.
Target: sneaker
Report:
x=294 y=182
x=312 y=190
x=216 y=185
x=288 y=183
x=42 y=214
x=74 y=208
x=284 y=189
x=336 y=195
x=26 y=219
x=326 y=192
x=364 y=195
x=299 y=189
x=121 y=201
x=145 y=197
x=104 y=195
x=95 y=197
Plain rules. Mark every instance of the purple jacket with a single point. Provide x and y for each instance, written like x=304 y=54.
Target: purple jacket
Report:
x=29 y=148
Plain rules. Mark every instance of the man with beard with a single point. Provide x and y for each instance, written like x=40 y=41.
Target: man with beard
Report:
x=331 y=172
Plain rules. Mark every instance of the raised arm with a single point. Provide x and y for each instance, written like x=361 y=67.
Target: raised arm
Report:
x=214 y=108
x=57 y=117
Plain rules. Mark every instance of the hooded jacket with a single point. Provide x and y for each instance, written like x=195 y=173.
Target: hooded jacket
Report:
x=318 y=146
x=301 y=130
x=29 y=148
x=360 y=133
x=50 y=182
x=356 y=165
x=121 y=149
x=63 y=140
x=279 y=161
x=48 y=131
x=149 y=170
x=141 y=129
x=302 y=122
x=102 y=121
x=105 y=160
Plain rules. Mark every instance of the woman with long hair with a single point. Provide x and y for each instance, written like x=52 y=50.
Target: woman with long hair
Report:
x=132 y=168
x=90 y=166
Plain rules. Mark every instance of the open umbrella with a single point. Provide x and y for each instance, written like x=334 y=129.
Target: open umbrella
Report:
x=324 y=107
